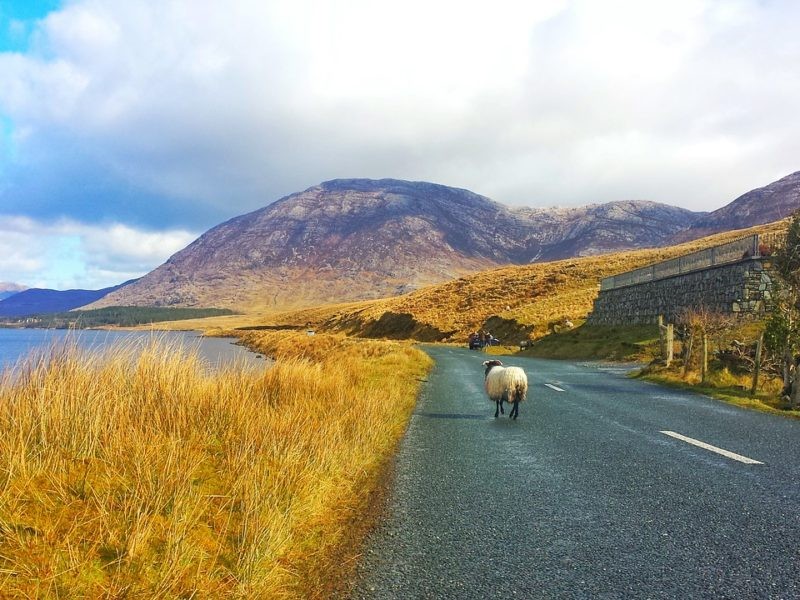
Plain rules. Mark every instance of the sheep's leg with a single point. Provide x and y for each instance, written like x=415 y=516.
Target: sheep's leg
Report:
x=515 y=410
x=497 y=410
x=502 y=412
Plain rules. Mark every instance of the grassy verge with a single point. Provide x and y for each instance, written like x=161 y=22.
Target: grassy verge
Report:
x=145 y=475
x=725 y=386
x=602 y=343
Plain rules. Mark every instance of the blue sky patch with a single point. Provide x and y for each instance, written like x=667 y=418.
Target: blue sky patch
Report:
x=17 y=21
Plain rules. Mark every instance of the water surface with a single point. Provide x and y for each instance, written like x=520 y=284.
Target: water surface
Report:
x=17 y=344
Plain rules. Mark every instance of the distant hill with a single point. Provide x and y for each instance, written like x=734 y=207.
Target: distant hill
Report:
x=37 y=301
x=119 y=316
x=514 y=303
x=766 y=204
x=352 y=239
x=8 y=289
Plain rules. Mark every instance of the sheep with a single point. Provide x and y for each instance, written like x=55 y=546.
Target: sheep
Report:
x=509 y=384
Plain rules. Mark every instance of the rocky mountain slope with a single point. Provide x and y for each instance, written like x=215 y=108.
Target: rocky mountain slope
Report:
x=356 y=239
x=766 y=204
x=603 y=228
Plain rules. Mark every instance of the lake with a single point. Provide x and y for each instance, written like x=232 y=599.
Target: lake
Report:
x=16 y=344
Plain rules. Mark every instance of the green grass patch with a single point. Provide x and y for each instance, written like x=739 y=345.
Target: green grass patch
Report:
x=636 y=343
x=122 y=316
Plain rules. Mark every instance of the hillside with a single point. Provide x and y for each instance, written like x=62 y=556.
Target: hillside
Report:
x=37 y=300
x=767 y=204
x=358 y=239
x=512 y=302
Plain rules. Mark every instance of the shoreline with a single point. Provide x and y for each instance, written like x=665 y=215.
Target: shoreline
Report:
x=19 y=345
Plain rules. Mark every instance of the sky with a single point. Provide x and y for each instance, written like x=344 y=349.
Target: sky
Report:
x=127 y=128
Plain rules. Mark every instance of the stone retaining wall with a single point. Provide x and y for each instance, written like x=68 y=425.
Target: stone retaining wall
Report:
x=743 y=288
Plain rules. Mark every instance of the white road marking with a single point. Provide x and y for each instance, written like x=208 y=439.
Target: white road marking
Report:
x=553 y=387
x=699 y=444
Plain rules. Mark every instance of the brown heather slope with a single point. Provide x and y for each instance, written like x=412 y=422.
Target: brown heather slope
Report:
x=512 y=302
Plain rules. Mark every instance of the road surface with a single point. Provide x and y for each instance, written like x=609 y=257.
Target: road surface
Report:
x=598 y=490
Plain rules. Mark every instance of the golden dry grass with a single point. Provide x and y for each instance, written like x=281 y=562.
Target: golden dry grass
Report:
x=145 y=475
x=535 y=294
x=726 y=386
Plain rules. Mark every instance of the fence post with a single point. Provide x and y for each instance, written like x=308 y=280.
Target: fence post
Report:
x=670 y=343
x=688 y=342
x=757 y=366
x=666 y=334
x=704 y=359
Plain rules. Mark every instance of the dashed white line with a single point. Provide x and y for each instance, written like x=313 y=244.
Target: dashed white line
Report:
x=553 y=387
x=726 y=453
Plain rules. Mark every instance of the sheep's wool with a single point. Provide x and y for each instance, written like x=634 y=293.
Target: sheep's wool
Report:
x=506 y=383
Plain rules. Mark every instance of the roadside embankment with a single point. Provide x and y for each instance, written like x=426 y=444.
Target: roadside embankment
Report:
x=640 y=343
x=723 y=385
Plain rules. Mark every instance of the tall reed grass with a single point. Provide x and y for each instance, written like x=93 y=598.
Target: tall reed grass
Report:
x=140 y=473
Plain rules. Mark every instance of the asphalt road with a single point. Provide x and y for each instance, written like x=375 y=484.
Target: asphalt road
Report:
x=584 y=496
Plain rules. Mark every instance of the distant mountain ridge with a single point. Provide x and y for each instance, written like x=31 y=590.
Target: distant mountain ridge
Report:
x=37 y=300
x=8 y=289
x=603 y=228
x=353 y=239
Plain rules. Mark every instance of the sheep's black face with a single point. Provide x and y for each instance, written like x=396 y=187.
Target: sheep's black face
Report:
x=489 y=364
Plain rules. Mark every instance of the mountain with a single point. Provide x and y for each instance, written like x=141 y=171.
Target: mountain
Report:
x=766 y=204
x=36 y=300
x=8 y=289
x=352 y=239
x=604 y=228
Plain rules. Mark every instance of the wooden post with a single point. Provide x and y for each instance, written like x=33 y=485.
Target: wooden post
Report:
x=704 y=359
x=787 y=372
x=666 y=336
x=670 y=343
x=794 y=399
x=687 y=351
x=757 y=367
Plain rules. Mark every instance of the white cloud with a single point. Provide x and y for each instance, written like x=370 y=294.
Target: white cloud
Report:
x=234 y=104
x=67 y=254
